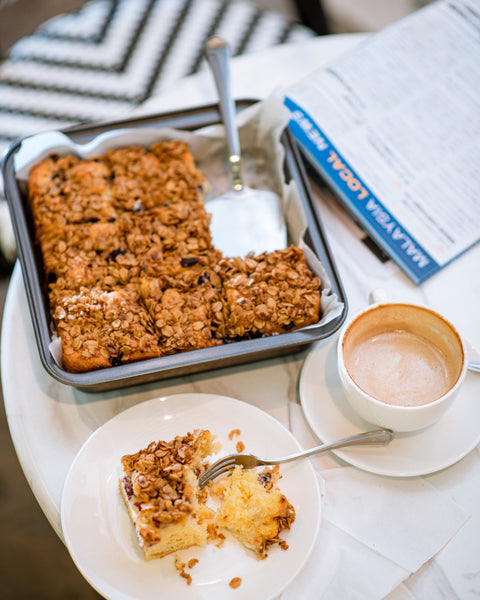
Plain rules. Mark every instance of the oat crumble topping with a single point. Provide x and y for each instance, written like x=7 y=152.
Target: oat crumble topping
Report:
x=157 y=480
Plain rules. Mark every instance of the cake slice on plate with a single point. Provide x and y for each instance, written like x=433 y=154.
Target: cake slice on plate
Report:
x=160 y=488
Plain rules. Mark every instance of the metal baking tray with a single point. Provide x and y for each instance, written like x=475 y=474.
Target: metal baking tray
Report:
x=182 y=363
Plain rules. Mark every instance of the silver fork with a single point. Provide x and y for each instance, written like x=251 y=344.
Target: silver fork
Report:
x=248 y=461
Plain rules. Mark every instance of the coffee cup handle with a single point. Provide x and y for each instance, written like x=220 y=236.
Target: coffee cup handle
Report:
x=377 y=296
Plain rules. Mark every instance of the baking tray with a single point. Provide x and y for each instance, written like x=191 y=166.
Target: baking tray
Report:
x=182 y=363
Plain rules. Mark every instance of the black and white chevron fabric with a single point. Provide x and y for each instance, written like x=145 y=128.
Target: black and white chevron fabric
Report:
x=103 y=60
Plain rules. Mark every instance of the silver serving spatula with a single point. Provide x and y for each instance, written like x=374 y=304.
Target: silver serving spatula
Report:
x=243 y=219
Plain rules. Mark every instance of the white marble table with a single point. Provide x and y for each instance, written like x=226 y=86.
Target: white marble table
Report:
x=49 y=422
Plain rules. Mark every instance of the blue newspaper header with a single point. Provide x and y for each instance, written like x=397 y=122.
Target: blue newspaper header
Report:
x=358 y=198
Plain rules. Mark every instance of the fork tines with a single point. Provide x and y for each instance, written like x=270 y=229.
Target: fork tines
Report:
x=221 y=466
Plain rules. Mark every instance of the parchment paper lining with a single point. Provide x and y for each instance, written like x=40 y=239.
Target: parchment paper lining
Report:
x=260 y=130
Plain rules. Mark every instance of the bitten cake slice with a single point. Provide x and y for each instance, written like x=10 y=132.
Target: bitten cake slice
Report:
x=252 y=508
x=160 y=488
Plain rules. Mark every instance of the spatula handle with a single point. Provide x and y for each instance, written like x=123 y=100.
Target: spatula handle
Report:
x=218 y=56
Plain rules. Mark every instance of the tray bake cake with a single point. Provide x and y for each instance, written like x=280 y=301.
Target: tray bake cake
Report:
x=130 y=267
x=159 y=486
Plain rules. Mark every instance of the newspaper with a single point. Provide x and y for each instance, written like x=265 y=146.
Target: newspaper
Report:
x=394 y=129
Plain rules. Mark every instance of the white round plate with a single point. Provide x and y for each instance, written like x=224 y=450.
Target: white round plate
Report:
x=100 y=536
x=416 y=453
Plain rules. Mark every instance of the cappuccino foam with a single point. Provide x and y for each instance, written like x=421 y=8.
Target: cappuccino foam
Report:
x=399 y=367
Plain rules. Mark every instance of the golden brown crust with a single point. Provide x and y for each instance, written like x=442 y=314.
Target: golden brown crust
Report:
x=134 y=221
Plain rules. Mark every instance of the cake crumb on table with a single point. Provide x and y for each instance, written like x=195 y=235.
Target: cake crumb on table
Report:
x=240 y=447
x=235 y=582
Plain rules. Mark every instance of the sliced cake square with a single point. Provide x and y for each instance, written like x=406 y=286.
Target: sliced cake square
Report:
x=268 y=294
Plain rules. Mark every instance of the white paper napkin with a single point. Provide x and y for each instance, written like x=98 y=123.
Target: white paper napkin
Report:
x=375 y=530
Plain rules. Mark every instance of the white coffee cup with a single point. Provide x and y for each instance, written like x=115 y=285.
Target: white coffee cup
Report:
x=400 y=365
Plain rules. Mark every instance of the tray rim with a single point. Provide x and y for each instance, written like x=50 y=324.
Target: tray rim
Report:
x=235 y=353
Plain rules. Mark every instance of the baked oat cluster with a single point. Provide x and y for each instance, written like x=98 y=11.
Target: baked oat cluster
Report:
x=132 y=272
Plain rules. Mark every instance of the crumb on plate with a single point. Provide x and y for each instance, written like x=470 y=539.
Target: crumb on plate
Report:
x=235 y=583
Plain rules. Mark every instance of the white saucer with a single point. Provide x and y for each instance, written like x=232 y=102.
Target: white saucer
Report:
x=101 y=538
x=417 y=453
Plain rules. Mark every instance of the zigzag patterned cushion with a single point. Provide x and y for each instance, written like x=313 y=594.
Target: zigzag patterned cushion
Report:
x=103 y=60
